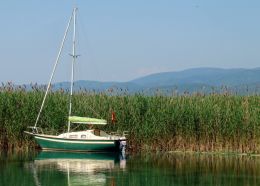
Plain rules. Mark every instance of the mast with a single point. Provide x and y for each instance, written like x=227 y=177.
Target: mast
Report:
x=74 y=57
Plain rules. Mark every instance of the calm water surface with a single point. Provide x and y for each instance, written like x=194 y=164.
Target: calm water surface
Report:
x=46 y=168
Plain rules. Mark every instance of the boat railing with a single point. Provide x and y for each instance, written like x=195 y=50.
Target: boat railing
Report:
x=36 y=130
x=119 y=133
x=125 y=133
x=51 y=132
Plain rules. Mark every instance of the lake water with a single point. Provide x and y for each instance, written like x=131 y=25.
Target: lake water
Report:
x=51 y=169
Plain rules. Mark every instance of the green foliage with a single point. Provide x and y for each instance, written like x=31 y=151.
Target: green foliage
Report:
x=187 y=122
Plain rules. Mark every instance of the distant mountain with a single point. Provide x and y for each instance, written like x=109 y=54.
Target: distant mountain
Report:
x=207 y=76
x=204 y=80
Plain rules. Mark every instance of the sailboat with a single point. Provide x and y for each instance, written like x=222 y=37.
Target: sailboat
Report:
x=86 y=140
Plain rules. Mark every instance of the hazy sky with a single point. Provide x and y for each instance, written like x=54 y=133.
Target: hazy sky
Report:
x=121 y=40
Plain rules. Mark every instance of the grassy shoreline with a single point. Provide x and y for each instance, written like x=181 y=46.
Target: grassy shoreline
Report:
x=210 y=123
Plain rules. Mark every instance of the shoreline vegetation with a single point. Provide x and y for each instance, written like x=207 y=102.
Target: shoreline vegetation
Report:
x=188 y=122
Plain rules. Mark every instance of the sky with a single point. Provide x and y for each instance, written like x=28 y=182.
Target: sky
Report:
x=121 y=40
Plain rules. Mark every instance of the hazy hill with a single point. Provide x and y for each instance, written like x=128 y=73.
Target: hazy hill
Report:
x=191 y=80
x=207 y=76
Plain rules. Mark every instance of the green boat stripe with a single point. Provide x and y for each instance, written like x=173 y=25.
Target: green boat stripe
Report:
x=68 y=150
x=82 y=142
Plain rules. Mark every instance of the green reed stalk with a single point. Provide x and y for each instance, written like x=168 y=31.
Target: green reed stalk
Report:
x=216 y=122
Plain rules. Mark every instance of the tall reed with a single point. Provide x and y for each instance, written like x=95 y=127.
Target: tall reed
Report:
x=215 y=122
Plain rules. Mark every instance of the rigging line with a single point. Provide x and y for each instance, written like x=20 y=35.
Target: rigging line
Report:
x=94 y=112
x=54 y=69
x=88 y=49
x=81 y=27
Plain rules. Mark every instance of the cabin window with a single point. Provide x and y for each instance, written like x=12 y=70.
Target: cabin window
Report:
x=73 y=136
x=83 y=136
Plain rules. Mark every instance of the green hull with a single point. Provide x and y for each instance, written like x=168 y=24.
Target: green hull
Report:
x=52 y=143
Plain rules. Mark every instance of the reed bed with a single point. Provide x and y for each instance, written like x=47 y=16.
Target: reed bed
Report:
x=196 y=122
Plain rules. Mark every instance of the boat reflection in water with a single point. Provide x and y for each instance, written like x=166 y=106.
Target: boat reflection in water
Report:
x=77 y=168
